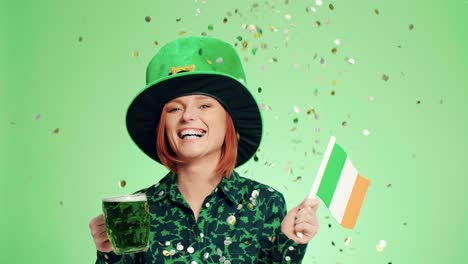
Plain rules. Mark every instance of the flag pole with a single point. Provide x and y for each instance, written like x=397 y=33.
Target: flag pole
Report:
x=321 y=170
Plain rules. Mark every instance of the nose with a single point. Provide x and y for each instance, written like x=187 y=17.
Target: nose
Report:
x=189 y=114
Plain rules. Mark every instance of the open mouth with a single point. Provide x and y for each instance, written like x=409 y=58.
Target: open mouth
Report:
x=191 y=133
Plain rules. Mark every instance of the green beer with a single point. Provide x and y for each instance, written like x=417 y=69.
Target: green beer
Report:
x=127 y=223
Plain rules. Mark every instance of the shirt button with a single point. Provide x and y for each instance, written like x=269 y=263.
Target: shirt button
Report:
x=190 y=250
x=206 y=255
x=291 y=248
x=168 y=243
x=161 y=193
x=207 y=205
x=165 y=253
x=287 y=258
x=193 y=262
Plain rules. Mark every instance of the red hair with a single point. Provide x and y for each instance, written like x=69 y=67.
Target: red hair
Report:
x=227 y=160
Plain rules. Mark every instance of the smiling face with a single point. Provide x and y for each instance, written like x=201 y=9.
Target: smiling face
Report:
x=195 y=127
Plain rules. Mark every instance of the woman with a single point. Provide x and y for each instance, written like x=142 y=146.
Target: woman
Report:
x=196 y=117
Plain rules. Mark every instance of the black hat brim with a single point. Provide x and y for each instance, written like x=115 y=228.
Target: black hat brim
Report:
x=145 y=110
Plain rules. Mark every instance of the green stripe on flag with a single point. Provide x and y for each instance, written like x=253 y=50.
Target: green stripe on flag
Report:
x=332 y=174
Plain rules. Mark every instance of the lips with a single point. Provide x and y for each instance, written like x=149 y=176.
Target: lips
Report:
x=191 y=133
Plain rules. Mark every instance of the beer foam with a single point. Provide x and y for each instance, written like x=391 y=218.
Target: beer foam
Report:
x=139 y=197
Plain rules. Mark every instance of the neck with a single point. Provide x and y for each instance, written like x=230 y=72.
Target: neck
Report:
x=197 y=180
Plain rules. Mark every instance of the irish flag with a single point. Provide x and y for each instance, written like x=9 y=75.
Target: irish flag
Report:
x=339 y=185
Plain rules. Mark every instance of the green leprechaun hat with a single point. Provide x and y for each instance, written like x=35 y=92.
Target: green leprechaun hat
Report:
x=195 y=65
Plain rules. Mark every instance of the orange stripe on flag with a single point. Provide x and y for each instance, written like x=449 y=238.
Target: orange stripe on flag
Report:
x=355 y=202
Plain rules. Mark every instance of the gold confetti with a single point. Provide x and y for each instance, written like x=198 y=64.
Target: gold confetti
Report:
x=332 y=92
x=122 y=183
x=334 y=50
x=55 y=131
x=298 y=178
x=296 y=109
x=385 y=77
x=135 y=54
x=13 y=123
x=265 y=107
x=411 y=27
x=347 y=241
x=38 y=117
x=389 y=185
x=344 y=123
x=148 y=19
x=178 y=19
x=376 y=11
x=334 y=82
x=331 y=7
x=380 y=247
x=245 y=44
x=156 y=42
x=209 y=61
x=80 y=39
x=225 y=20
x=182 y=33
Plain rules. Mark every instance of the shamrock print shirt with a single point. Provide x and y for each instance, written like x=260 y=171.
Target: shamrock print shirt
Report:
x=239 y=222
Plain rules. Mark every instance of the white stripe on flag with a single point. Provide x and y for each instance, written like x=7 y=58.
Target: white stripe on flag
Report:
x=343 y=190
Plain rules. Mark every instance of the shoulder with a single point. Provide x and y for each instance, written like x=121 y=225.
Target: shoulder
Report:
x=263 y=193
x=159 y=189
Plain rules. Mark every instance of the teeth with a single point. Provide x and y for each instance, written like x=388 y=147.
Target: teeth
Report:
x=191 y=133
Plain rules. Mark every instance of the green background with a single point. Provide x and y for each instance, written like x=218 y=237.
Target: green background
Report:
x=51 y=184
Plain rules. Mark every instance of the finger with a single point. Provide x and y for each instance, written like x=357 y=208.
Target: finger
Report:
x=97 y=221
x=311 y=220
x=307 y=229
x=104 y=247
x=310 y=202
x=101 y=238
x=304 y=214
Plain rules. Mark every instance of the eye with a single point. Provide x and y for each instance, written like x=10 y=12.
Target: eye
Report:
x=205 y=106
x=173 y=109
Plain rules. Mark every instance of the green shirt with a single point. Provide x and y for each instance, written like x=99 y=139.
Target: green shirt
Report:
x=239 y=222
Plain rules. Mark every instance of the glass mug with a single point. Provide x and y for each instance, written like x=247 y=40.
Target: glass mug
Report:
x=128 y=223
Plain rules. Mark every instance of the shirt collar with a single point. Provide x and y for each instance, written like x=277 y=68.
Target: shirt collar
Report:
x=231 y=188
